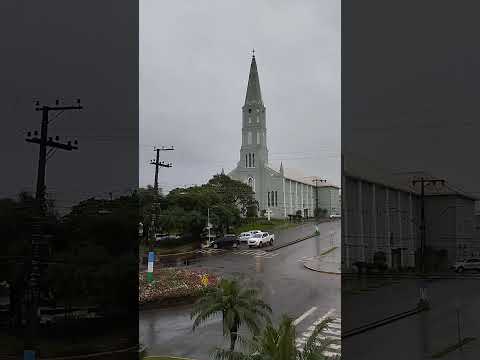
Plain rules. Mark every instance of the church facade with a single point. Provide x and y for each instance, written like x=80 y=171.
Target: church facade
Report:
x=279 y=191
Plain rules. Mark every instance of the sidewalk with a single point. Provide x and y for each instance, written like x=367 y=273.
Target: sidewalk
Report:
x=327 y=263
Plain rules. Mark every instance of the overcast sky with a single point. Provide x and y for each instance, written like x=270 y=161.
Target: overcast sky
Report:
x=194 y=63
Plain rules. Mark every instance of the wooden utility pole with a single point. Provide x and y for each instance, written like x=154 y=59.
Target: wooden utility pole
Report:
x=155 y=204
x=422 y=181
x=38 y=236
x=316 y=181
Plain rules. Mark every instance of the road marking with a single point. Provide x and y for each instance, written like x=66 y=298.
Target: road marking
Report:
x=331 y=332
x=302 y=317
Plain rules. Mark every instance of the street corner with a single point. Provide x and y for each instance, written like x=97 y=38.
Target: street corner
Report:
x=323 y=266
x=327 y=262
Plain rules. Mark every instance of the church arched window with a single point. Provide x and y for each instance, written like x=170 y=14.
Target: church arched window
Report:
x=246 y=160
x=253 y=160
x=268 y=194
x=249 y=160
x=251 y=183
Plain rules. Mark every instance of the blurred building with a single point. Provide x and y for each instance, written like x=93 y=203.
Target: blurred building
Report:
x=381 y=218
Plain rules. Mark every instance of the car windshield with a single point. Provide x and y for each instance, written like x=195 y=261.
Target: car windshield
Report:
x=257 y=235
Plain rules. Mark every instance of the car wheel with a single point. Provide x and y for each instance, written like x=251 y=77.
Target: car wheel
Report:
x=460 y=269
x=271 y=242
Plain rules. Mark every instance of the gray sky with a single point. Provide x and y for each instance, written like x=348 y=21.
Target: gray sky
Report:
x=194 y=63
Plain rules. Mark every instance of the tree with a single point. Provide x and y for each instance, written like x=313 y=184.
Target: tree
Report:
x=233 y=192
x=278 y=343
x=237 y=305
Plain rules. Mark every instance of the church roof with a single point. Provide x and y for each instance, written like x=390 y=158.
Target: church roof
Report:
x=297 y=175
x=254 y=95
x=369 y=171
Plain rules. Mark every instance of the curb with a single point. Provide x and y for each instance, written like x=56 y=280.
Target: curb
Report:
x=298 y=240
x=378 y=323
x=321 y=271
x=290 y=243
x=168 y=302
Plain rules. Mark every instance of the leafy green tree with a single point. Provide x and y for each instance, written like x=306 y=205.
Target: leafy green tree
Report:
x=233 y=192
x=237 y=305
x=278 y=343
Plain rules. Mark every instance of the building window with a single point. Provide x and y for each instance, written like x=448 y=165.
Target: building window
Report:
x=253 y=160
x=249 y=138
x=268 y=194
x=276 y=198
x=258 y=137
x=273 y=198
x=251 y=183
x=258 y=119
x=249 y=111
x=246 y=160
x=249 y=160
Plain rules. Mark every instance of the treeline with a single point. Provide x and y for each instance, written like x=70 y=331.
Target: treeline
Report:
x=185 y=210
x=91 y=257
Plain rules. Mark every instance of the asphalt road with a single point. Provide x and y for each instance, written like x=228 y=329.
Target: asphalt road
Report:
x=454 y=311
x=285 y=284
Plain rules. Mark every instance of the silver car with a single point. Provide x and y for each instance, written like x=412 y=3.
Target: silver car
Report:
x=468 y=264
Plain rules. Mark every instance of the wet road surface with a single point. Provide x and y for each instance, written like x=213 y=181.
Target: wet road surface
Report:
x=285 y=284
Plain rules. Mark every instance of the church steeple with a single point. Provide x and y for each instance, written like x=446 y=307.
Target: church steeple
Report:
x=254 y=95
x=253 y=152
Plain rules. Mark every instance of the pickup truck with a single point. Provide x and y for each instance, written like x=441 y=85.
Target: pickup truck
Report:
x=261 y=239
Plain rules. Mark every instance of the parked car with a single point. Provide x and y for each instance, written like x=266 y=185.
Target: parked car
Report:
x=244 y=236
x=468 y=264
x=261 y=239
x=335 y=216
x=226 y=241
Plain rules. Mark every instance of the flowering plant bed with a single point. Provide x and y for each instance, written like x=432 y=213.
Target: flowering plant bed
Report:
x=173 y=283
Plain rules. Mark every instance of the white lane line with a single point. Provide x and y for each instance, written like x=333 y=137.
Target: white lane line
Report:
x=302 y=317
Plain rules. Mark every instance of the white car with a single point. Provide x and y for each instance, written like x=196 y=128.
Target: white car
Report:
x=468 y=264
x=261 y=239
x=247 y=235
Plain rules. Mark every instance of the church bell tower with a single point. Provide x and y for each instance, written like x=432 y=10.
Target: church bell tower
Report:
x=253 y=152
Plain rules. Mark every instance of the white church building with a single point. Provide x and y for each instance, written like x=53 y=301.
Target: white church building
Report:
x=281 y=190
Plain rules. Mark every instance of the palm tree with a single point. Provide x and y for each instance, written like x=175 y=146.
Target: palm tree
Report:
x=238 y=306
x=279 y=344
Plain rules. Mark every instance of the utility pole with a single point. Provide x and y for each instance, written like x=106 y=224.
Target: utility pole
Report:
x=38 y=236
x=316 y=181
x=157 y=164
x=423 y=302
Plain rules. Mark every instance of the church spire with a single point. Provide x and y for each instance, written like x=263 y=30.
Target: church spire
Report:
x=254 y=95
